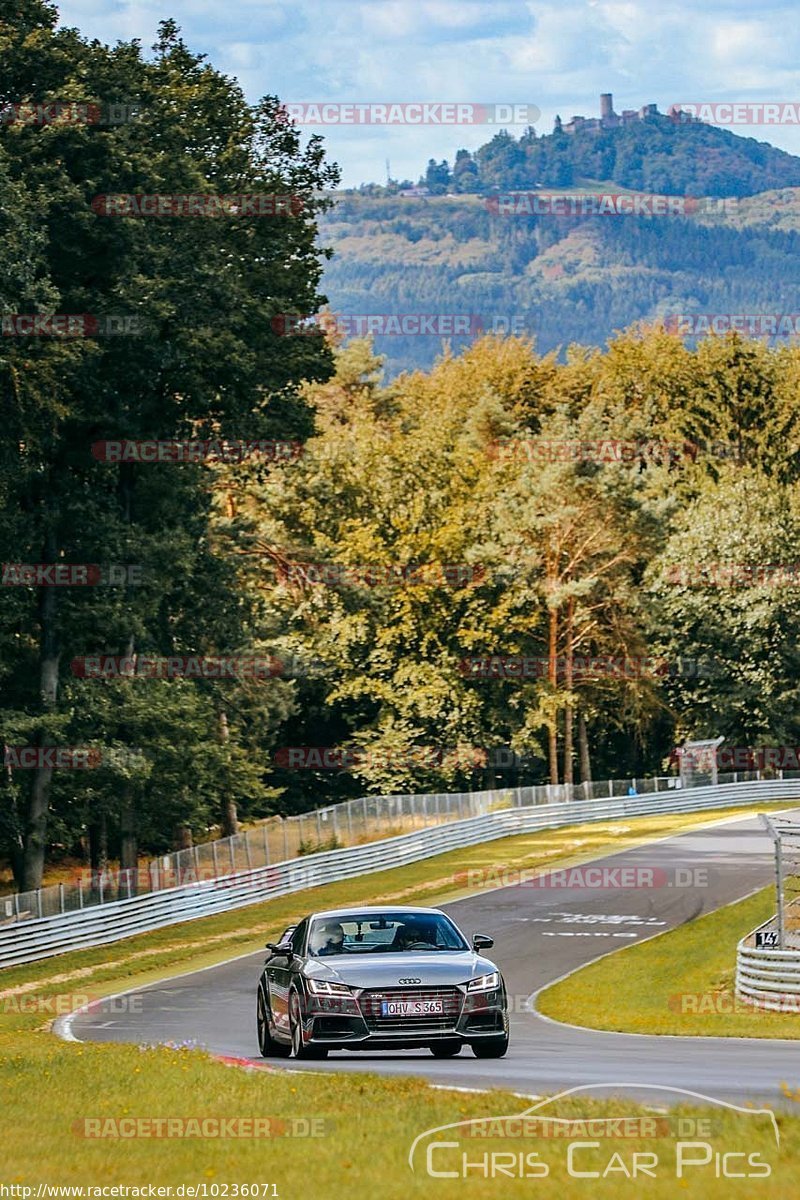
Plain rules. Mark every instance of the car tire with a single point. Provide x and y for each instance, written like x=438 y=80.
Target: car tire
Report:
x=267 y=1044
x=495 y=1047
x=445 y=1049
x=299 y=1048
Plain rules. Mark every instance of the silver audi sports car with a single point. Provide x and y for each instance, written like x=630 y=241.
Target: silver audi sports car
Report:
x=380 y=979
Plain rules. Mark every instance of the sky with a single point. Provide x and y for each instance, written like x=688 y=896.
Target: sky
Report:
x=557 y=56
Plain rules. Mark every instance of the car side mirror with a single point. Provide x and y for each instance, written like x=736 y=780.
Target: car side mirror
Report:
x=482 y=941
x=280 y=947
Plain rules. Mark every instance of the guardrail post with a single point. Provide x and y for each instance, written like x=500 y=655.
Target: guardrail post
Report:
x=39 y=901
x=266 y=845
x=232 y=855
x=16 y=905
x=335 y=825
x=349 y=822
x=214 y=856
x=101 y=878
x=80 y=891
x=319 y=827
x=247 y=850
x=61 y=897
x=779 y=869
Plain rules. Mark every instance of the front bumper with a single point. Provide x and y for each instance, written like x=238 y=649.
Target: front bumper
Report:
x=356 y=1022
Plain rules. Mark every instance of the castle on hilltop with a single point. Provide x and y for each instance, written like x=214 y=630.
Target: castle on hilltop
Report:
x=608 y=119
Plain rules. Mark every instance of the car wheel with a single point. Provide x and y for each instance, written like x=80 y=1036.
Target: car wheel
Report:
x=299 y=1048
x=495 y=1047
x=266 y=1042
x=445 y=1049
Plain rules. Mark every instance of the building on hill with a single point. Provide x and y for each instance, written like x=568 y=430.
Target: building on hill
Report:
x=608 y=119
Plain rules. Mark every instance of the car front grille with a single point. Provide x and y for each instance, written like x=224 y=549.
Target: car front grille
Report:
x=370 y=1002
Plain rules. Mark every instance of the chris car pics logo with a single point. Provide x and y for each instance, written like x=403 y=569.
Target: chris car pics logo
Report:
x=533 y=1144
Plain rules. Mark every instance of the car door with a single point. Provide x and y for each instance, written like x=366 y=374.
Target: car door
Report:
x=279 y=977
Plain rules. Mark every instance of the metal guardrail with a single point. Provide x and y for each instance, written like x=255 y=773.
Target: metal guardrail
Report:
x=766 y=977
x=38 y=938
x=768 y=958
x=279 y=839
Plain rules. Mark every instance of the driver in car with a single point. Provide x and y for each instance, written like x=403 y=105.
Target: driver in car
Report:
x=410 y=935
x=331 y=939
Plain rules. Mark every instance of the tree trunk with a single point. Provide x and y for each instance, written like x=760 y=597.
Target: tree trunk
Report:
x=552 y=668
x=129 y=852
x=568 y=675
x=13 y=831
x=583 y=750
x=98 y=848
x=229 y=817
x=38 y=804
x=182 y=837
x=129 y=849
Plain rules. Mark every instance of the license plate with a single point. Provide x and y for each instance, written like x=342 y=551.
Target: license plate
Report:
x=411 y=1008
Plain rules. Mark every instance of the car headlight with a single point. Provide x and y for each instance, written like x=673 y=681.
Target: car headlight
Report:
x=484 y=983
x=321 y=987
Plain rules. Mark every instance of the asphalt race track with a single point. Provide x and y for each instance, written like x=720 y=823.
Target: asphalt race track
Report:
x=540 y=934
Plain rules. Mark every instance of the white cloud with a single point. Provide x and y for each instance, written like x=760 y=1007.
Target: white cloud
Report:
x=559 y=57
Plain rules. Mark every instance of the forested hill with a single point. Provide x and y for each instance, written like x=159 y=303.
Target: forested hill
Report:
x=654 y=154
x=563 y=279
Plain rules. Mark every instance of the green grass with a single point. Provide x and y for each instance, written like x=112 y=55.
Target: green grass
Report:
x=679 y=982
x=48 y=1087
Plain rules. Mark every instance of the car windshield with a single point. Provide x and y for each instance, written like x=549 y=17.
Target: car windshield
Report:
x=376 y=933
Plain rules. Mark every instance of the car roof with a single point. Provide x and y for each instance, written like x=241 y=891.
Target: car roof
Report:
x=371 y=909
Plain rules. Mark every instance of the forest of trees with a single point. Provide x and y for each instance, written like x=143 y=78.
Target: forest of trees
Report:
x=655 y=154
x=565 y=279
x=421 y=531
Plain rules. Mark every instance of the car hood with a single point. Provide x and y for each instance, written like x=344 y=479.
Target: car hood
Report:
x=386 y=970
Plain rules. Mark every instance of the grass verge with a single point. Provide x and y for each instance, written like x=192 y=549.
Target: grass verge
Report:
x=49 y=1089
x=679 y=982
